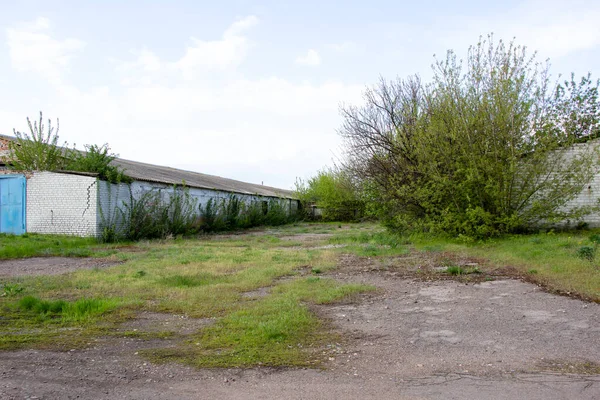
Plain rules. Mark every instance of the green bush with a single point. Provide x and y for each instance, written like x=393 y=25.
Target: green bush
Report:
x=586 y=253
x=158 y=214
x=483 y=149
x=96 y=159
x=232 y=213
x=595 y=238
x=334 y=192
x=152 y=217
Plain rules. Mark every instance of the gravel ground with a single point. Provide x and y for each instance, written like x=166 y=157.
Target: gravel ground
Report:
x=412 y=339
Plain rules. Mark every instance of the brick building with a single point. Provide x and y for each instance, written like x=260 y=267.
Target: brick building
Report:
x=76 y=203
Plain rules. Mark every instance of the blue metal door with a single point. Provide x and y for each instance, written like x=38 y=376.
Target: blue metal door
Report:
x=12 y=204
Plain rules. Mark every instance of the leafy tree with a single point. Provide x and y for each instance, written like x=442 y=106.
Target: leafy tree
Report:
x=485 y=148
x=37 y=150
x=334 y=192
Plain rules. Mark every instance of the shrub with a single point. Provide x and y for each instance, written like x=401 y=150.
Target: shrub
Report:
x=333 y=191
x=586 y=253
x=276 y=214
x=595 y=238
x=212 y=218
x=231 y=212
x=484 y=149
x=96 y=159
x=159 y=214
x=152 y=217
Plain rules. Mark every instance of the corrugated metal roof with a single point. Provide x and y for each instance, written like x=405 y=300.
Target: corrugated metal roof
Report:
x=173 y=176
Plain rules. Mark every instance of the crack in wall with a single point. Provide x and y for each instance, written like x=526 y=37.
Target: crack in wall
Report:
x=89 y=197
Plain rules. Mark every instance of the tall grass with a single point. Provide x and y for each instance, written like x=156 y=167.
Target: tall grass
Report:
x=82 y=310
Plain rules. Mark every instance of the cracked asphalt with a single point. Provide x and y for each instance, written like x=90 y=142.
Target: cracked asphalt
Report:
x=502 y=339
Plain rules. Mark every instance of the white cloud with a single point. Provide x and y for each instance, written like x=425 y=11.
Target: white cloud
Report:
x=32 y=49
x=229 y=51
x=311 y=58
x=555 y=30
x=551 y=28
x=269 y=129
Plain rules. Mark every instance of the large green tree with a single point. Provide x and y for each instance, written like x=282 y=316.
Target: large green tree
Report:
x=485 y=148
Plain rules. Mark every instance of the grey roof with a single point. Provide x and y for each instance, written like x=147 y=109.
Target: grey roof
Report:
x=173 y=176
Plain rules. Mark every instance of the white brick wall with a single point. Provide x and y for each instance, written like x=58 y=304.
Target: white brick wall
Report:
x=590 y=193
x=62 y=204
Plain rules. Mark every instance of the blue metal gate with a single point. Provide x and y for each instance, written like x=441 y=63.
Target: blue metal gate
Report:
x=12 y=204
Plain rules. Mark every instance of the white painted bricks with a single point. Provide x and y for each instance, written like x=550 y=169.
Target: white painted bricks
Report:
x=62 y=204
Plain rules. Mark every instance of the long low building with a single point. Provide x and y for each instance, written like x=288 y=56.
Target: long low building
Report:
x=75 y=203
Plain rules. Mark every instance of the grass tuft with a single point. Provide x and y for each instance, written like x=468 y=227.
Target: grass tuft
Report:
x=188 y=281
x=454 y=270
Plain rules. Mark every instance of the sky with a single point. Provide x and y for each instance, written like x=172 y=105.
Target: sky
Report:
x=248 y=90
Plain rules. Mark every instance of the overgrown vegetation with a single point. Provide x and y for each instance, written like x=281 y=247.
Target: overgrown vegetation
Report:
x=36 y=245
x=254 y=316
x=96 y=159
x=482 y=150
x=552 y=259
x=158 y=214
x=39 y=150
x=209 y=277
x=333 y=192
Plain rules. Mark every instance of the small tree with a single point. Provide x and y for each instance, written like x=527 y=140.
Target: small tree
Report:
x=334 y=192
x=37 y=150
x=96 y=159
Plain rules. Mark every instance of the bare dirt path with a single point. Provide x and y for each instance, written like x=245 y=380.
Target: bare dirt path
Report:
x=50 y=265
x=502 y=339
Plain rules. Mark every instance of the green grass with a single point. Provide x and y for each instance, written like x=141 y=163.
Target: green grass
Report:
x=203 y=277
x=82 y=310
x=210 y=276
x=552 y=259
x=276 y=331
x=369 y=241
x=35 y=245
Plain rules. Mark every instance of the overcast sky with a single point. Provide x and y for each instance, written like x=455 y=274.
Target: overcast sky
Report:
x=248 y=90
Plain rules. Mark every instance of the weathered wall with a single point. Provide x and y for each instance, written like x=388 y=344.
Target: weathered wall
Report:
x=204 y=195
x=590 y=193
x=62 y=204
x=4 y=151
x=72 y=204
x=112 y=197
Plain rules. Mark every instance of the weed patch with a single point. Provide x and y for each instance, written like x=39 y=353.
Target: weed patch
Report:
x=187 y=281
x=82 y=310
x=274 y=331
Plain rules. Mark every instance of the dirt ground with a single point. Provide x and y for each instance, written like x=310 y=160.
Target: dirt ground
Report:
x=49 y=265
x=412 y=339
